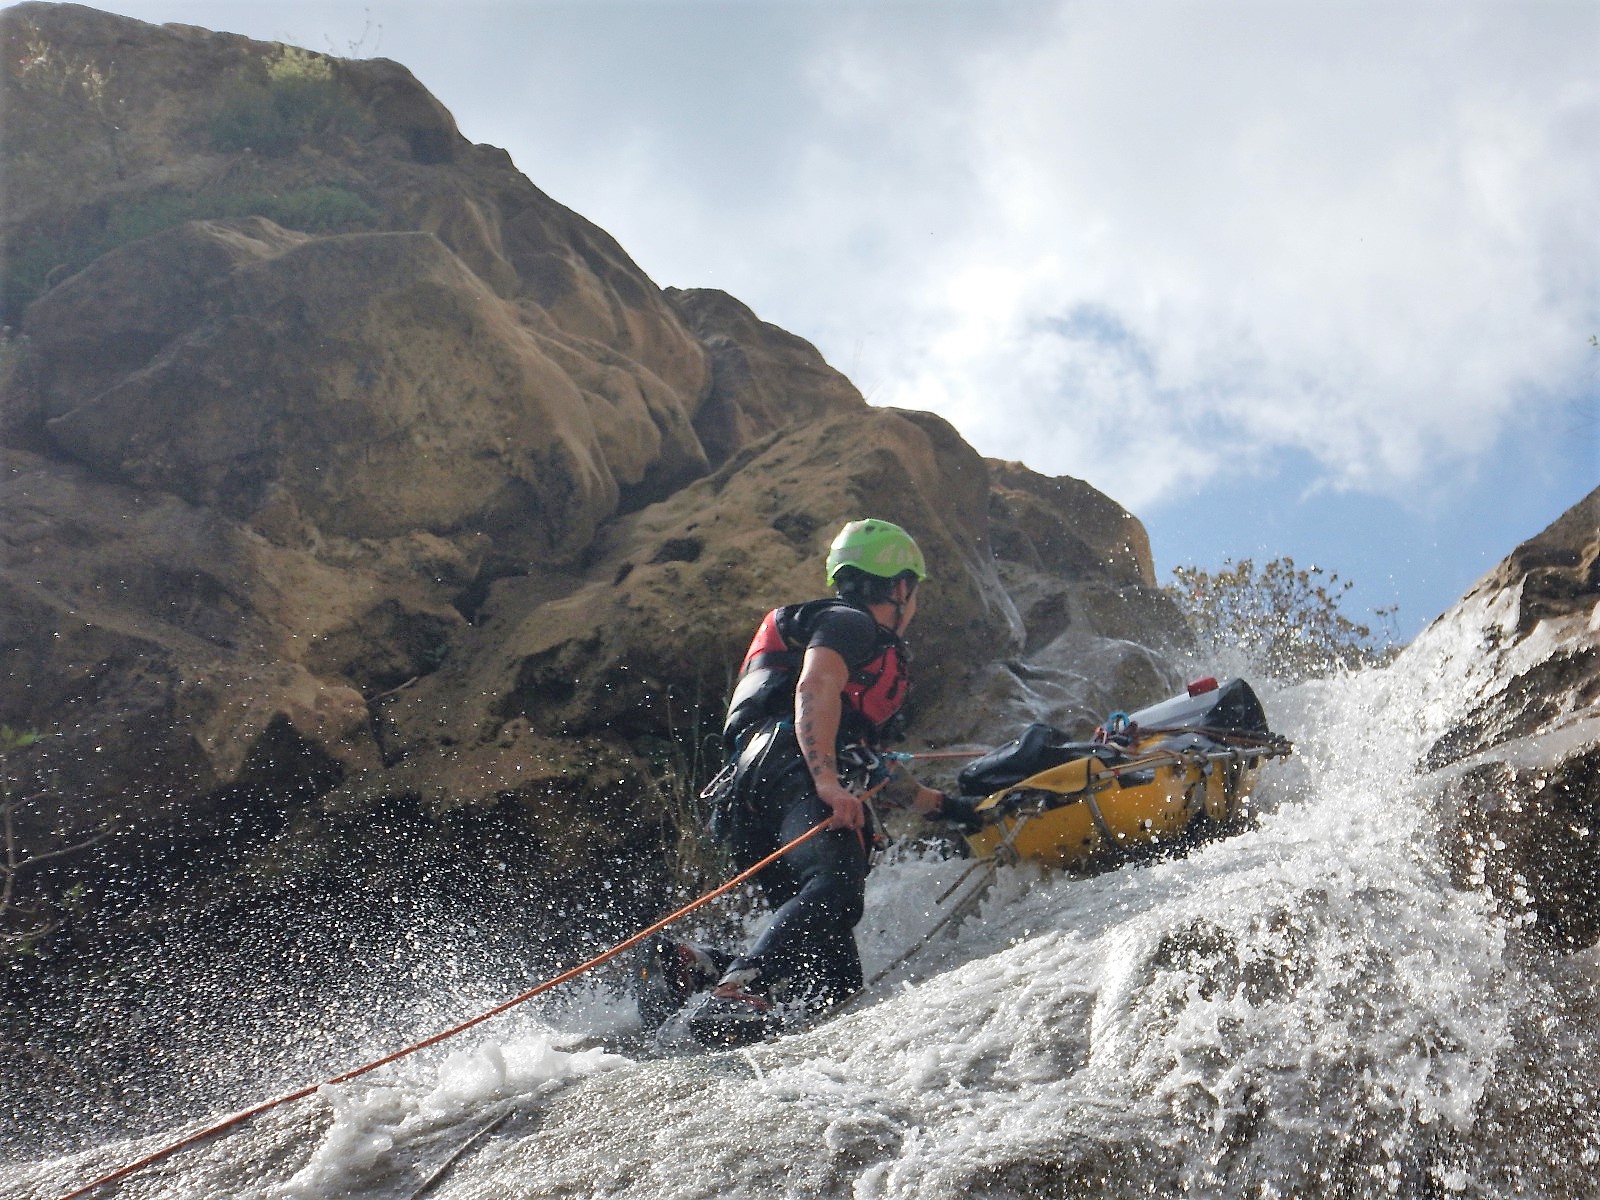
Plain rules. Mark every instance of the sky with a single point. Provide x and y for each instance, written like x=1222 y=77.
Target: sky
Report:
x=1314 y=279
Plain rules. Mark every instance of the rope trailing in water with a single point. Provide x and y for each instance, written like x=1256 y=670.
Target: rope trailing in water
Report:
x=989 y=867
x=456 y=1155
x=627 y=944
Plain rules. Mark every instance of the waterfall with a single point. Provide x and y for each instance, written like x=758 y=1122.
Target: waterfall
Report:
x=1309 y=1008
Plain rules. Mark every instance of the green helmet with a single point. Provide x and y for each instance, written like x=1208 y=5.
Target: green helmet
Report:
x=876 y=547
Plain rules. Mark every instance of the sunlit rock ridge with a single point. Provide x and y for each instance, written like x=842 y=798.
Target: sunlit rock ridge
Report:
x=348 y=475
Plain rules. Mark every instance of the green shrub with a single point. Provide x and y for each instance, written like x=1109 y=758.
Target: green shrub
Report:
x=313 y=210
x=300 y=100
x=1285 y=620
x=140 y=219
x=14 y=739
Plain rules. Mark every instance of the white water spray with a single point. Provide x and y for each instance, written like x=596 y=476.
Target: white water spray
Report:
x=1309 y=1008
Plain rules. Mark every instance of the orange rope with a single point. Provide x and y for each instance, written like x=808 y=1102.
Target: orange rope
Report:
x=302 y=1093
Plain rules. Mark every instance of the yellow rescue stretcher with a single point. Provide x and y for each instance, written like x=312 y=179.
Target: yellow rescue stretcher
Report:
x=1167 y=776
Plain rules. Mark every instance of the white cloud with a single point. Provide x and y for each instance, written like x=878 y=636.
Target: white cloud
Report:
x=1355 y=232
x=1359 y=232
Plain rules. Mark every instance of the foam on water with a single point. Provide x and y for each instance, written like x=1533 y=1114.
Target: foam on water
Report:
x=1306 y=1008
x=371 y=1124
x=1273 y=1012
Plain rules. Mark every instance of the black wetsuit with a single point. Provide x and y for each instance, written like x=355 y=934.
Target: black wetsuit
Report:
x=816 y=889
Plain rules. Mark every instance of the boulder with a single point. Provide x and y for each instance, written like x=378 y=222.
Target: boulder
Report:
x=1066 y=528
x=1515 y=758
x=157 y=642
x=1097 y=633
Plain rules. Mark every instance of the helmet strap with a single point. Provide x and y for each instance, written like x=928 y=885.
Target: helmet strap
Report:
x=900 y=597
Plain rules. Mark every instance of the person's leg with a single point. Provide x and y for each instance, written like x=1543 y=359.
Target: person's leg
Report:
x=675 y=969
x=816 y=890
x=753 y=841
x=777 y=779
x=810 y=941
x=839 y=975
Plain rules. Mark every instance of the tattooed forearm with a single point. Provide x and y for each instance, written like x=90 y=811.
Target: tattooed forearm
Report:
x=817 y=707
x=816 y=736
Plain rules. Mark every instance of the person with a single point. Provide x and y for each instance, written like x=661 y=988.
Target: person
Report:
x=820 y=690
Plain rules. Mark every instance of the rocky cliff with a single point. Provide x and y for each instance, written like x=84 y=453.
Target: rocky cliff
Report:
x=352 y=484
x=377 y=542
x=1516 y=765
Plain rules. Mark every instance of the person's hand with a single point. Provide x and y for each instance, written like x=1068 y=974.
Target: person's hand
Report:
x=846 y=807
x=961 y=812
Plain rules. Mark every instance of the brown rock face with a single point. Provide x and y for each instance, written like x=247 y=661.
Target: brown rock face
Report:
x=648 y=637
x=347 y=474
x=763 y=378
x=158 y=641
x=1557 y=573
x=370 y=381
x=1066 y=528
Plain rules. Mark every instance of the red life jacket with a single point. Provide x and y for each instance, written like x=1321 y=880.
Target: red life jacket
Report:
x=765 y=689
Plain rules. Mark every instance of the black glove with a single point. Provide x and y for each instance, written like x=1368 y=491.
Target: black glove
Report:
x=960 y=811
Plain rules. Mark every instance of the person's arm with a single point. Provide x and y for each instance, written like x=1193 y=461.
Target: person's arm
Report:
x=903 y=790
x=927 y=800
x=818 y=705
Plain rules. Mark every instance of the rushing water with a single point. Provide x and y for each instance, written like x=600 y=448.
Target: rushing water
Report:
x=1308 y=1009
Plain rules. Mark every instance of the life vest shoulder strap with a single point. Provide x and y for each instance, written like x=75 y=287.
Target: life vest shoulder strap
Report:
x=771 y=668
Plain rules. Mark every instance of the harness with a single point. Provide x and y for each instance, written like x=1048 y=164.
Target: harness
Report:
x=731 y=796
